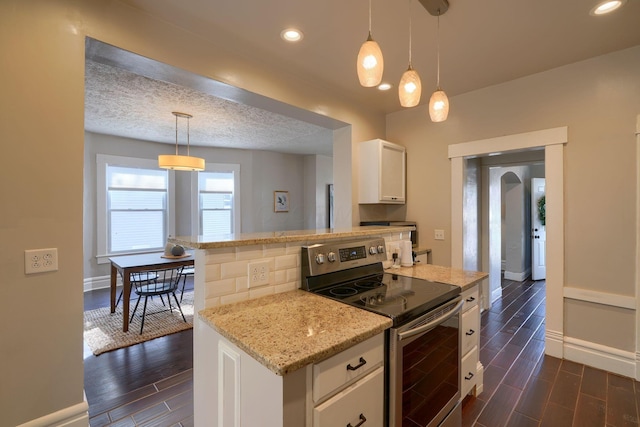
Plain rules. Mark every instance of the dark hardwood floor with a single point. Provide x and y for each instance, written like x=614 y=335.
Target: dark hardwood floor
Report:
x=523 y=387
x=151 y=384
x=148 y=384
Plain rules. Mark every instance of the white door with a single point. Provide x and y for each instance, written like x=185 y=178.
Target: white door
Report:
x=538 y=231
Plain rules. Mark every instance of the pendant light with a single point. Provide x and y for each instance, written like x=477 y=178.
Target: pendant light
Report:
x=439 y=103
x=410 y=87
x=370 y=62
x=178 y=162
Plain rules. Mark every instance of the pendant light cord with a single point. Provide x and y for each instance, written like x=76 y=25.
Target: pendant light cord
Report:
x=409 y=33
x=188 y=143
x=438 y=53
x=369 y=18
x=176 y=134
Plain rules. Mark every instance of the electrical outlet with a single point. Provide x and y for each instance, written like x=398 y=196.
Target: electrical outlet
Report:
x=439 y=234
x=40 y=260
x=258 y=273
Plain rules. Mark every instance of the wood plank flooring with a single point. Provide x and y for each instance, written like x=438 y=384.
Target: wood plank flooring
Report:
x=523 y=387
x=148 y=384
x=151 y=384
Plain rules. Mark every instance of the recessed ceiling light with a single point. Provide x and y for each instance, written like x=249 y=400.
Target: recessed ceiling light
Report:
x=291 y=35
x=384 y=86
x=607 y=6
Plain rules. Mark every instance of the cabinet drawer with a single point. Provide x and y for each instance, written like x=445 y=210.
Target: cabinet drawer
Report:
x=470 y=297
x=470 y=329
x=345 y=367
x=362 y=401
x=469 y=371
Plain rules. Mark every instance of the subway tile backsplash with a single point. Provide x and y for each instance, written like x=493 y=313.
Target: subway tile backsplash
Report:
x=226 y=278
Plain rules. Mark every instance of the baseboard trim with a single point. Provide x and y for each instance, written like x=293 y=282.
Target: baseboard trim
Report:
x=73 y=416
x=518 y=277
x=554 y=343
x=99 y=282
x=600 y=356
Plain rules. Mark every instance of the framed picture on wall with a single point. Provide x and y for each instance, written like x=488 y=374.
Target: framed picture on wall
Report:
x=281 y=201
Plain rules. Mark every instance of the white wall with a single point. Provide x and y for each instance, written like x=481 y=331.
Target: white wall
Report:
x=261 y=173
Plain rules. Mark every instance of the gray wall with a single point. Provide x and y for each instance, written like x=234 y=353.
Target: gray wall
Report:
x=599 y=101
x=261 y=173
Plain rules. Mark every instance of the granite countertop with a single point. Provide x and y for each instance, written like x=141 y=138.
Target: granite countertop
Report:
x=290 y=330
x=436 y=273
x=318 y=235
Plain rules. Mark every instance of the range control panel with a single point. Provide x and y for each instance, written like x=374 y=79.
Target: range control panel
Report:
x=331 y=257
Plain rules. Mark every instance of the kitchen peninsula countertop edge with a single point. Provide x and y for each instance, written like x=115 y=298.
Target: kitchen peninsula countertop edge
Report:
x=268 y=237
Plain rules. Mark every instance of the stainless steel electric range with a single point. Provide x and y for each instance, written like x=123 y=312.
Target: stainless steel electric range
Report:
x=422 y=347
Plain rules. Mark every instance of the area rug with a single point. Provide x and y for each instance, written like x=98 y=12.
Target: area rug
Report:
x=103 y=330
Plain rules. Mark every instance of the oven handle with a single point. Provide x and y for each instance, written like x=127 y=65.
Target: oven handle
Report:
x=412 y=332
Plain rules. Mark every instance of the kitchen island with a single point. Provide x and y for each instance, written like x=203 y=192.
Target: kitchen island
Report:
x=239 y=268
x=261 y=343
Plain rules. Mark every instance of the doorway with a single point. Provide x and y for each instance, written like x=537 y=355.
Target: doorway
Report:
x=463 y=254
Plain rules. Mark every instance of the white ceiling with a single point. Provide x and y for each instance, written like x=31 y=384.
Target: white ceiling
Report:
x=482 y=43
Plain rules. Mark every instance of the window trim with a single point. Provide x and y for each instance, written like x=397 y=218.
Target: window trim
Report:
x=195 y=196
x=102 y=238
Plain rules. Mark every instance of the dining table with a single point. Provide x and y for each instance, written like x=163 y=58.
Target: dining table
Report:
x=125 y=265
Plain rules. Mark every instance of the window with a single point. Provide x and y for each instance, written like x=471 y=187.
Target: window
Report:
x=134 y=206
x=218 y=200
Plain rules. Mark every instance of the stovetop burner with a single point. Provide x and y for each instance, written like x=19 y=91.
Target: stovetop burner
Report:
x=343 y=291
x=369 y=283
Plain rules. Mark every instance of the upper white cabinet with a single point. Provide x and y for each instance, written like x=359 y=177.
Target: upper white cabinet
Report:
x=382 y=172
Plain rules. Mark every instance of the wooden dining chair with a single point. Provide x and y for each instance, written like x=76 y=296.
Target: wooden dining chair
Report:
x=166 y=282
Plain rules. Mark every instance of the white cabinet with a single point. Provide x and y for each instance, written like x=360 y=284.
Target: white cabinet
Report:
x=382 y=172
x=471 y=373
x=348 y=388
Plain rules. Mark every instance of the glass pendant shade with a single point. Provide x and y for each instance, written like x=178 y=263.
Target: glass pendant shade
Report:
x=439 y=106
x=410 y=88
x=370 y=63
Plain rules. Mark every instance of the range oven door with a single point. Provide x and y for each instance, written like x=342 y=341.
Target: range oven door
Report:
x=424 y=368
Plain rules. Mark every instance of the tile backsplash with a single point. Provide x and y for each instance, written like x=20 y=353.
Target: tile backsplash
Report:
x=226 y=277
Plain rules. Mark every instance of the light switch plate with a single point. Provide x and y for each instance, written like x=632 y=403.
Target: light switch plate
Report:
x=439 y=235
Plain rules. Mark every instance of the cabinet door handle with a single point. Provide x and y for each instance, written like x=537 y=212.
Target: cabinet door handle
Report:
x=362 y=421
x=471 y=332
x=469 y=377
x=471 y=299
x=358 y=366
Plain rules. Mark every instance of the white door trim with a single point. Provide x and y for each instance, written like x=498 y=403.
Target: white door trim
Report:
x=637 y=304
x=552 y=140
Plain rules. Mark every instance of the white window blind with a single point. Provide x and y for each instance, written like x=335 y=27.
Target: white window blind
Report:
x=134 y=206
x=216 y=202
x=136 y=209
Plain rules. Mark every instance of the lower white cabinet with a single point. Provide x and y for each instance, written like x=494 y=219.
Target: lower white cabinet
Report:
x=235 y=390
x=471 y=371
x=348 y=388
x=362 y=403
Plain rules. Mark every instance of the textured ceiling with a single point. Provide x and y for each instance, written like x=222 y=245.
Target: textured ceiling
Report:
x=482 y=43
x=119 y=102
